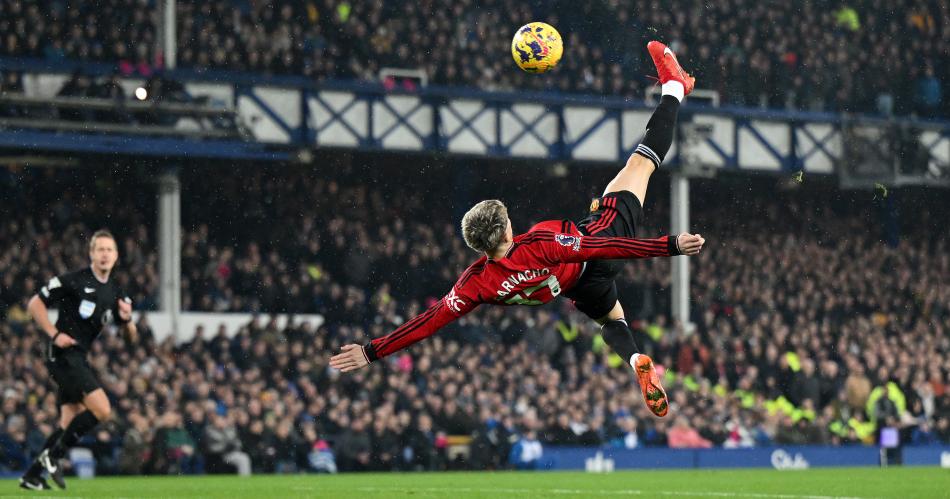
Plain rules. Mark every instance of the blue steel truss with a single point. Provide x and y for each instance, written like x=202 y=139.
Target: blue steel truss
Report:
x=548 y=126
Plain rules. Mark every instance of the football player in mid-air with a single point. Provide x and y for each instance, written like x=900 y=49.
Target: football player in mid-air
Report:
x=559 y=257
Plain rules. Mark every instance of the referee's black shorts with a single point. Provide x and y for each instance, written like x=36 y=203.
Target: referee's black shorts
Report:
x=73 y=375
x=617 y=214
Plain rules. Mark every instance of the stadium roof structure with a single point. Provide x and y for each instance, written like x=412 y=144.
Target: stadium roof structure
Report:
x=274 y=118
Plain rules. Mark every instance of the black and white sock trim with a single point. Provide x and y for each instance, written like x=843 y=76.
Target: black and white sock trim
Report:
x=649 y=154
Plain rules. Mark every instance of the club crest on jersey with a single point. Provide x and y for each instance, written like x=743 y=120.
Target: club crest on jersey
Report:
x=86 y=308
x=594 y=205
x=453 y=301
x=569 y=241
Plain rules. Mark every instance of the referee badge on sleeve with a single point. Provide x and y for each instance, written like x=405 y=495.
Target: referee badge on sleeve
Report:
x=86 y=308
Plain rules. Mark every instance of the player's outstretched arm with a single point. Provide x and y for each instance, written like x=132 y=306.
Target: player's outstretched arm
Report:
x=575 y=248
x=446 y=310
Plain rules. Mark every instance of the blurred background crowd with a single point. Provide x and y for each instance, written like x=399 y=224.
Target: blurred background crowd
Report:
x=813 y=322
x=870 y=56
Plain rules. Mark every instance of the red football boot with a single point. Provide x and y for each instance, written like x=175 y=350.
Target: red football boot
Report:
x=668 y=68
x=653 y=393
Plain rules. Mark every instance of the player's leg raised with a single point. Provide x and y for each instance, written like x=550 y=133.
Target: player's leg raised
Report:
x=648 y=156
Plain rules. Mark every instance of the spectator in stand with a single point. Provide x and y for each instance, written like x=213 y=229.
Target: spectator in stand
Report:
x=136 y=446
x=682 y=435
x=628 y=437
x=385 y=445
x=321 y=458
x=355 y=447
x=527 y=451
x=286 y=448
x=858 y=387
x=929 y=93
x=13 y=445
x=224 y=447
x=173 y=450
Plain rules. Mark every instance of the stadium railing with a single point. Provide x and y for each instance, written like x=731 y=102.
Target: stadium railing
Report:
x=184 y=119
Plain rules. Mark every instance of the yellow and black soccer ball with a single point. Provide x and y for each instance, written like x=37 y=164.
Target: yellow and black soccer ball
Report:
x=537 y=47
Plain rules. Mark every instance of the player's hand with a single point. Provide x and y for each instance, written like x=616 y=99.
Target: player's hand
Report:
x=690 y=244
x=125 y=310
x=64 y=341
x=351 y=359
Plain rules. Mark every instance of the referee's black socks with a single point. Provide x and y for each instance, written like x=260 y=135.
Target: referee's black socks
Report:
x=80 y=425
x=618 y=335
x=36 y=468
x=659 y=137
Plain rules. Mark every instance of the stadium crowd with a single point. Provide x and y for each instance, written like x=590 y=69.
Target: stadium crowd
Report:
x=851 y=55
x=812 y=324
x=49 y=217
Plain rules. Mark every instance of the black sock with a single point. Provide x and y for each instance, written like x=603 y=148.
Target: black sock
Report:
x=620 y=338
x=36 y=468
x=79 y=426
x=659 y=137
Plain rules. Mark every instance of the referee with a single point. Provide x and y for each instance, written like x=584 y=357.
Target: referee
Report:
x=87 y=301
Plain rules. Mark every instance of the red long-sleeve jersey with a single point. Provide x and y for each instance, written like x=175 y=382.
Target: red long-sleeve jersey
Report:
x=542 y=262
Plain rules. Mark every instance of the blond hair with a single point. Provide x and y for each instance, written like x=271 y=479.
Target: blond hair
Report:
x=96 y=235
x=483 y=227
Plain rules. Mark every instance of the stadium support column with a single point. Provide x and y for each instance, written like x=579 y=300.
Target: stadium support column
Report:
x=167 y=39
x=679 y=222
x=169 y=246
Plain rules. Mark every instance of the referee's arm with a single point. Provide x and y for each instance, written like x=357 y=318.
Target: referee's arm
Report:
x=40 y=313
x=124 y=312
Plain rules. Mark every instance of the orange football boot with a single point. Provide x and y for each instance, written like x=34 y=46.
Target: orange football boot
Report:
x=653 y=393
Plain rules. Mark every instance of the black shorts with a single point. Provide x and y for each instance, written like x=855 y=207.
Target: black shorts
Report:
x=72 y=374
x=617 y=214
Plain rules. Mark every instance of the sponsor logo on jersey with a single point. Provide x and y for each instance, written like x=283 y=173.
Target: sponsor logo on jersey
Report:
x=89 y=290
x=569 y=241
x=86 y=308
x=453 y=301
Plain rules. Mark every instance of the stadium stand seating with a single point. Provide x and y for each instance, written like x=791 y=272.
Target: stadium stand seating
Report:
x=814 y=320
x=871 y=56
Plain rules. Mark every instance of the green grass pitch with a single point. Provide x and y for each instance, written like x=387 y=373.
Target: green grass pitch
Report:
x=753 y=484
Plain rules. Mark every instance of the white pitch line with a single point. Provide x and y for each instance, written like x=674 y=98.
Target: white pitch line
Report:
x=603 y=492
x=41 y=497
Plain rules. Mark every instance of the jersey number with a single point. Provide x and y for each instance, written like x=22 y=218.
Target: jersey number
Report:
x=523 y=297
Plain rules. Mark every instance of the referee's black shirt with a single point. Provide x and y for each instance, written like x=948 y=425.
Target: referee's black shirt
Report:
x=85 y=304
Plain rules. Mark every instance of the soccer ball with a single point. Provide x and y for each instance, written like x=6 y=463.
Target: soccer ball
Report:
x=537 y=47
